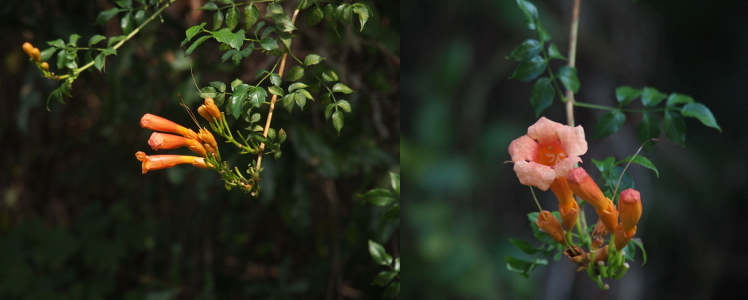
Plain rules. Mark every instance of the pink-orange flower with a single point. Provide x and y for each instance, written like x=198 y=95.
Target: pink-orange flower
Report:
x=156 y=162
x=585 y=187
x=549 y=150
x=157 y=123
x=169 y=141
x=567 y=206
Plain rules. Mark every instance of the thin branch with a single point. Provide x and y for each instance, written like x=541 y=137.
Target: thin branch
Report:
x=572 y=60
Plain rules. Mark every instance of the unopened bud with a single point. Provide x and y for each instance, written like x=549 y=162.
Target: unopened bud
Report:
x=630 y=208
x=212 y=109
x=548 y=223
x=204 y=113
x=45 y=66
x=583 y=186
x=208 y=138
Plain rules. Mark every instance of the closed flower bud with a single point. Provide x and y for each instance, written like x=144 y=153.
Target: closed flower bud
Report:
x=27 y=47
x=567 y=206
x=583 y=186
x=622 y=237
x=157 y=123
x=169 y=141
x=157 y=162
x=45 y=66
x=630 y=208
x=211 y=107
x=609 y=216
x=36 y=54
x=548 y=223
x=204 y=113
x=208 y=138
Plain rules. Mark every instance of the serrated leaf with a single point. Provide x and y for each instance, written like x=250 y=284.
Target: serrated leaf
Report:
x=383 y=278
x=626 y=94
x=330 y=19
x=209 y=6
x=529 y=69
x=675 y=99
x=304 y=4
x=527 y=50
x=542 y=95
x=296 y=85
x=338 y=120
x=313 y=16
x=640 y=160
x=275 y=90
x=609 y=123
x=228 y=55
x=95 y=39
x=220 y=99
x=237 y=99
x=328 y=110
x=268 y=43
x=285 y=38
x=345 y=106
x=99 y=61
x=104 y=16
x=363 y=14
x=208 y=92
x=283 y=23
x=288 y=102
x=329 y=76
x=224 y=36
x=312 y=59
x=392 y=290
x=194 y=45
x=247 y=51
x=232 y=18
x=701 y=112
x=675 y=127
x=648 y=129
x=237 y=82
x=378 y=254
x=275 y=79
x=300 y=100
x=295 y=73
x=238 y=40
x=651 y=97
x=568 y=77
x=553 y=52
x=341 y=88
x=251 y=15
x=219 y=85
x=531 y=13
x=217 y=20
x=524 y=246
x=257 y=96
x=61 y=59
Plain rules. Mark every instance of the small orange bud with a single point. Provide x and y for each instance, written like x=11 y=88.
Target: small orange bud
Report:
x=27 y=47
x=156 y=162
x=582 y=184
x=609 y=216
x=622 y=237
x=601 y=255
x=204 y=113
x=45 y=66
x=630 y=207
x=169 y=141
x=548 y=223
x=211 y=107
x=157 y=123
x=567 y=206
x=208 y=138
x=36 y=54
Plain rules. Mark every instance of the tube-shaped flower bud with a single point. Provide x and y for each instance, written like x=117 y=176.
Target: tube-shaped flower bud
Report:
x=169 y=141
x=45 y=66
x=211 y=107
x=36 y=54
x=157 y=123
x=204 y=113
x=582 y=184
x=208 y=138
x=27 y=47
x=156 y=162
x=622 y=237
x=630 y=208
x=548 y=223
x=609 y=216
x=567 y=206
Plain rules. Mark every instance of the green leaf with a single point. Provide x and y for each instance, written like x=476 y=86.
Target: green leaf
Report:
x=542 y=95
x=338 y=120
x=609 y=123
x=115 y=39
x=346 y=107
x=208 y=92
x=626 y=94
x=275 y=90
x=232 y=18
x=217 y=20
x=104 y=16
x=73 y=40
x=330 y=18
x=363 y=14
x=124 y=3
x=257 y=96
x=313 y=16
x=275 y=79
x=224 y=36
x=127 y=23
x=378 y=197
x=209 y=6
x=329 y=76
x=197 y=42
x=58 y=43
x=701 y=112
x=268 y=43
x=568 y=77
x=383 y=278
x=237 y=82
x=99 y=61
x=328 y=110
x=651 y=97
x=251 y=15
x=527 y=50
x=542 y=33
x=300 y=100
x=531 y=13
x=554 y=53
x=378 y=254
x=47 y=53
x=228 y=54
x=394 y=177
x=288 y=102
x=529 y=69
x=648 y=129
x=675 y=99
x=675 y=128
x=295 y=73
x=304 y=4
x=139 y=17
x=295 y=86
x=525 y=247
x=392 y=290
x=604 y=165
x=109 y=51
x=341 y=88
x=312 y=59
x=61 y=59
x=237 y=99
x=523 y=267
x=283 y=23
x=219 y=85
x=238 y=40
x=95 y=39
x=285 y=38
x=641 y=160
x=247 y=51
x=274 y=9
x=638 y=243
x=392 y=212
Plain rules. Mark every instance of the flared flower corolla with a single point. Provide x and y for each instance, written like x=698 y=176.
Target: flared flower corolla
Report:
x=169 y=141
x=157 y=162
x=549 y=150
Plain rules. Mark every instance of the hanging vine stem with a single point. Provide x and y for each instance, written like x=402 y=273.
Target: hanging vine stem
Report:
x=273 y=99
x=572 y=60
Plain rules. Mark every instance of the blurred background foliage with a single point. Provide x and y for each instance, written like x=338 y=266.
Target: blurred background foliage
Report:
x=79 y=221
x=461 y=112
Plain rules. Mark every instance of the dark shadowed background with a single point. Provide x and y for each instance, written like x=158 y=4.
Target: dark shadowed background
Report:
x=78 y=220
x=461 y=112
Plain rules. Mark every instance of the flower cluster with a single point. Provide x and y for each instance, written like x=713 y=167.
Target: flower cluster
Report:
x=201 y=142
x=546 y=158
x=36 y=56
